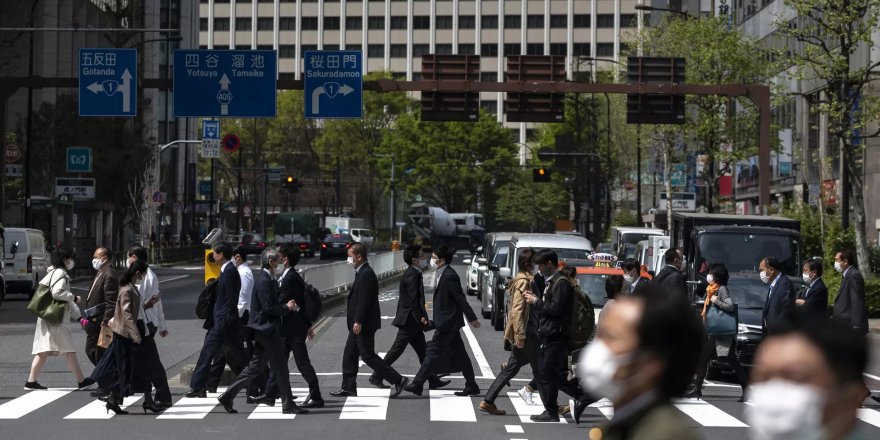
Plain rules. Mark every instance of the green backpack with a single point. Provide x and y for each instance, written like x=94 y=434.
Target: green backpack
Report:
x=46 y=307
x=582 y=320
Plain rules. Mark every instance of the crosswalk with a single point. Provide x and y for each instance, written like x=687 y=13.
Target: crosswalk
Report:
x=370 y=404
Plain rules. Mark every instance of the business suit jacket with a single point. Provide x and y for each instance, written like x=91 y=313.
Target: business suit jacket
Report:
x=266 y=311
x=849 y=307
x=226 y=301
x=450 y=302
x=293 y=288
x=411 y=299
x=105 y=290
x=363 y=300
x=672 y=280
x=779 y=304
x=816 y=297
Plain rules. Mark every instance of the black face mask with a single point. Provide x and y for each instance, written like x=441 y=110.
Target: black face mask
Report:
x=211 y=258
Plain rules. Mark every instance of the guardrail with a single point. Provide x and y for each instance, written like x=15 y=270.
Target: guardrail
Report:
x=334 y=278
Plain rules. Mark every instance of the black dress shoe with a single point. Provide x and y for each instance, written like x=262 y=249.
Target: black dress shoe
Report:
x=313 y=402
x=192 y=394
x=399 y=387
x=226 y=401
x=264 y=400
x=164 y=405
x=436 y=384
x=377 y=383
x=468 y=391
x=413 y=388
x=545 y=417
x=579 y=407
x=99 y=393
x=293 y=409
x=343 y=393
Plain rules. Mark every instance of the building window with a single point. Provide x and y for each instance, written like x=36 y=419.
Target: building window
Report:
x=511 y=49
x=286 y=76
x=331 y=23
x=443 y=49
x=512 y=21
x=535 y=22
x=558 y=21
x=489 y=50
x=467 y=22
x=331 y=47
x=307 y=47
x=242 y=47
x=354 y=23
x=417 y=76
x=309 y=23
x=605 y=21
x=265 y=47
x=444 y=22
x=490 y=105
x=243 y=24
x=203 y=24
x=581 y=49
x=398 y=51
x=605 y=49
x=376 y=23
x=287 y=51
x=287 y=24
x=466 y=49
x=558 y=49
x=420 y=50
x=221 y=24
x=421 y=22
x=489 y=22
x=398 y=22
x=488 y=77
x=535 y=48
x=265 y=23
x=582 y=20
x=629 y=20
x=375 y=50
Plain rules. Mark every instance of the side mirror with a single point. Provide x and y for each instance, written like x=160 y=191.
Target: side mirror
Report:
x=466 y=262
x=481 y=261
x=504 y=272
x=493 y=268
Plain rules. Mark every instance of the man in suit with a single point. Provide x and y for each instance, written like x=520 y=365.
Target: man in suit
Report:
x=264 y=318
x=671 y=278
x=449 y=304
x=102 y=294
x=296 y=329
x=814 y=299
x=363 y=320
x=411 y=317
x=781 y=295
x=849 y=306
x=225 y=334
x=632 y=274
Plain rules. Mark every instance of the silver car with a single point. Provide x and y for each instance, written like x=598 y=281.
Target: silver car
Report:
x=496 y=249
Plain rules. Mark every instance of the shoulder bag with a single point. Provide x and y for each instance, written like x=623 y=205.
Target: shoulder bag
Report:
x=45 y=306
x=721 y=323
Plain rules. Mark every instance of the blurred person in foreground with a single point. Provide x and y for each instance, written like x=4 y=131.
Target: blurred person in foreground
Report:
x=807 y=381
x=645 y=352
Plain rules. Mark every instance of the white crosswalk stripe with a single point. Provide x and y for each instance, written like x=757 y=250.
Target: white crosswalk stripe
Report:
x=97 y=410
x=707 y=414
x=189 y=408
x=447 y=407
x=369 y=404
x=605 y=407
x=265 y=412
x=30 y=402
x=869 y=416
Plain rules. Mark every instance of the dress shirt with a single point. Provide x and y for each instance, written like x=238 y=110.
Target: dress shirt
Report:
x=247 y=288
x=149 y=288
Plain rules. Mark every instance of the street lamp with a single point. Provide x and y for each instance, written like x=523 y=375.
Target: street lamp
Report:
x=647 y=8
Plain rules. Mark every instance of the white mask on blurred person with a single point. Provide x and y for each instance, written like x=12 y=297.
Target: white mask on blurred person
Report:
x=785 y=410
x=534 y=271
x=434 y=264
x=764 y=277
x=69 y=264
x=596 y=369
x=710 y=278
x=350 y=261
x=279 y=270
x=628 y=278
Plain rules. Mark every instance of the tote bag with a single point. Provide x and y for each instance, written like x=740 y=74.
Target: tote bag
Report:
x=721 y=323
x=44 y=306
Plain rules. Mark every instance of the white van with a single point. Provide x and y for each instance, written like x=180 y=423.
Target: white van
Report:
x=27 y=259
x=361 y=235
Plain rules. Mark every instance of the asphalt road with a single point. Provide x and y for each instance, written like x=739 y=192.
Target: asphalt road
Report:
x=370 y=416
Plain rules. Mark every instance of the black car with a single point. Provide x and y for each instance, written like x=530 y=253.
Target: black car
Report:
x=336 y=246
x=253 y=244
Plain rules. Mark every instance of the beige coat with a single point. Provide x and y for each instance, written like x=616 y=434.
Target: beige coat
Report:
x=57 y=338
x=518 y=316
x=124 y=321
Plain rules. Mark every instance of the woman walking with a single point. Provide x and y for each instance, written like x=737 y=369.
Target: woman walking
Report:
x=55 y=339
x=717 y=295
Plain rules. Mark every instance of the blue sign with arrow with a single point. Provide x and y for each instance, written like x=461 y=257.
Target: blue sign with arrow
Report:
x=333 y=84
x=225 y=83
x=107 y=82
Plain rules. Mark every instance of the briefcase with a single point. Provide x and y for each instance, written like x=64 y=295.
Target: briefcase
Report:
x=105 y=337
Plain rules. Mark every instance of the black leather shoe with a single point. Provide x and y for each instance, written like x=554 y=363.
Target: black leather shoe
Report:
x=343 y=393
x=313 y=402
x=264 y=400
x=399 y=387
x=192 y=394
x=252 y=400
x=226 y=401
x=436 y=384
x=545 y=417
x=468 y=391
x=578 y=410
x=413 y=388
x=378 y=383
x=293 y=409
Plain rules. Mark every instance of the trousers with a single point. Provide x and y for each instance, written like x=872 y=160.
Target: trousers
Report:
x=93 y=352
x=223 y=335
x=149 y=369
x=296 y=344
x=519 y=357
x=363 y=346
x=554 y=358
x=446 y=340
x=410 y=334
x=268 y=347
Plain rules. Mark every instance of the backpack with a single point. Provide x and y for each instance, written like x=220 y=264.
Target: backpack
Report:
x=582 y=320
x=205 y=304
x=313 y=302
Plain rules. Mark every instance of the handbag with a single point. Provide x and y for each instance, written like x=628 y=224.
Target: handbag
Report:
x=721 y=323
x=105 y=337
x=45 y=306
x=94 y=315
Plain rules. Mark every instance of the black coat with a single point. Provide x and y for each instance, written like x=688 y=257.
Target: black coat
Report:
x=779 y=304
x=450 y=302
x=555 y=307
x=411 y=299
x=266 y=312
x=363 y=300
x=671 y=280
x=293 y=288
x=226 y=301
x=816 y=297
x=849 y=306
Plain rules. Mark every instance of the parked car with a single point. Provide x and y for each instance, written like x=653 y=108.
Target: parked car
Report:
x=361 y=235
x=253 y=244
x=336 y=246
x=496 y=249
x=27 y=259
x=476 y=263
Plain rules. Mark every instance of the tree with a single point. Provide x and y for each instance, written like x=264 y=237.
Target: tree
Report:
x=532 y=206
x=822 y=42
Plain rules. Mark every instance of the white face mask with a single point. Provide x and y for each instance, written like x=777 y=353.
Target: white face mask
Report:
x=597 y=367
x=684 y=265
x=764 y=277
x=628 y=278
x=96 y=263
x=434 y=264
x=807 y=277
x=710 y=278
x=534 y=271
x=350 y=261
x=69 y=265
x=838 y=266
x=279 y=270
x=785 y=410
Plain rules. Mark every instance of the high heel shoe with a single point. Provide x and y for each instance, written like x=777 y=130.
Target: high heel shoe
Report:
x=153 y=407
x=112 y=406
x=696 y=393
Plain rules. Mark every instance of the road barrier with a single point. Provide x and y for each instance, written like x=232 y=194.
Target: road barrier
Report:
x=334 y=278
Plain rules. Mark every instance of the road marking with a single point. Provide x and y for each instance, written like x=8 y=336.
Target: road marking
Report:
x=707 y=414
x=265 y=412
x=381 y=355
x=30 y=402
x=97 y=410
x=478 y=353
x=869 y=416
x=192 y=408
x=871 y=376
x=526 y=411
x=369 y=404
x=514 y=429
x=447 y=407
x=174 y=278
x=606 y=407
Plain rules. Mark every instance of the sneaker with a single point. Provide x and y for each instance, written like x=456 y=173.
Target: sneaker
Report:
x=34 y=386
x=527 y=395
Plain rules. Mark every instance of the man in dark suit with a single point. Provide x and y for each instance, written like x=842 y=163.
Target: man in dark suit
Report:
x=264 y=318
x=411 y=317
x=632 y=274
x=849 y=306
x=363 y=320
x=449 y=304
x=225 y=334
x=101 y=299
x=781 y=295
x=814 y=299
x=671 y=279
x=296 y=329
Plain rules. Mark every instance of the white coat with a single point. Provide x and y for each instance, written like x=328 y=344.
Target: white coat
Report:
x=51 y=338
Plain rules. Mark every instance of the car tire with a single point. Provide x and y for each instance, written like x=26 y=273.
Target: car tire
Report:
x=498 y=313
x=486 y=315
x=471 y=292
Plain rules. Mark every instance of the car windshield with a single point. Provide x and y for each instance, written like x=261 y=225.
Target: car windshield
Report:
x=500 y=253
x=742 y=252
x=748 y=293
x=593 y=284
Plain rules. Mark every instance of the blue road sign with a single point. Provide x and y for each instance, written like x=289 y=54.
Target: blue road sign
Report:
x=107 y=82
x=211 y=129
x=205 y=188
x=225 y=83
x=79 y=160
x=334 y=84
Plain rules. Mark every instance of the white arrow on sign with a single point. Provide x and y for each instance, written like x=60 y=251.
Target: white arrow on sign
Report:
x=345 y=89
x=126 y=91
x=224 y=85
x=95 y=87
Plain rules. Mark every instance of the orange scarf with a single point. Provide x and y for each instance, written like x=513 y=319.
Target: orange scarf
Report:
x=711 y=290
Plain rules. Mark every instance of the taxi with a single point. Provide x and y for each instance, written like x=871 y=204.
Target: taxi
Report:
x=592 y=273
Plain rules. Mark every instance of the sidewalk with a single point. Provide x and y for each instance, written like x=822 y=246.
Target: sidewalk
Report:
x=874 y=325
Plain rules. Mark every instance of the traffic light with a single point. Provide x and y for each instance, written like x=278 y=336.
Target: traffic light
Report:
x=540 y=175
x=292 y=184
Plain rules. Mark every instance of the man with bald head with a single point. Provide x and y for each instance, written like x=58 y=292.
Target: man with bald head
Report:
x=100 y=302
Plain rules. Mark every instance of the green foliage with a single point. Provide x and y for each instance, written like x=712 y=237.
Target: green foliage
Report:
x=530 y=206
